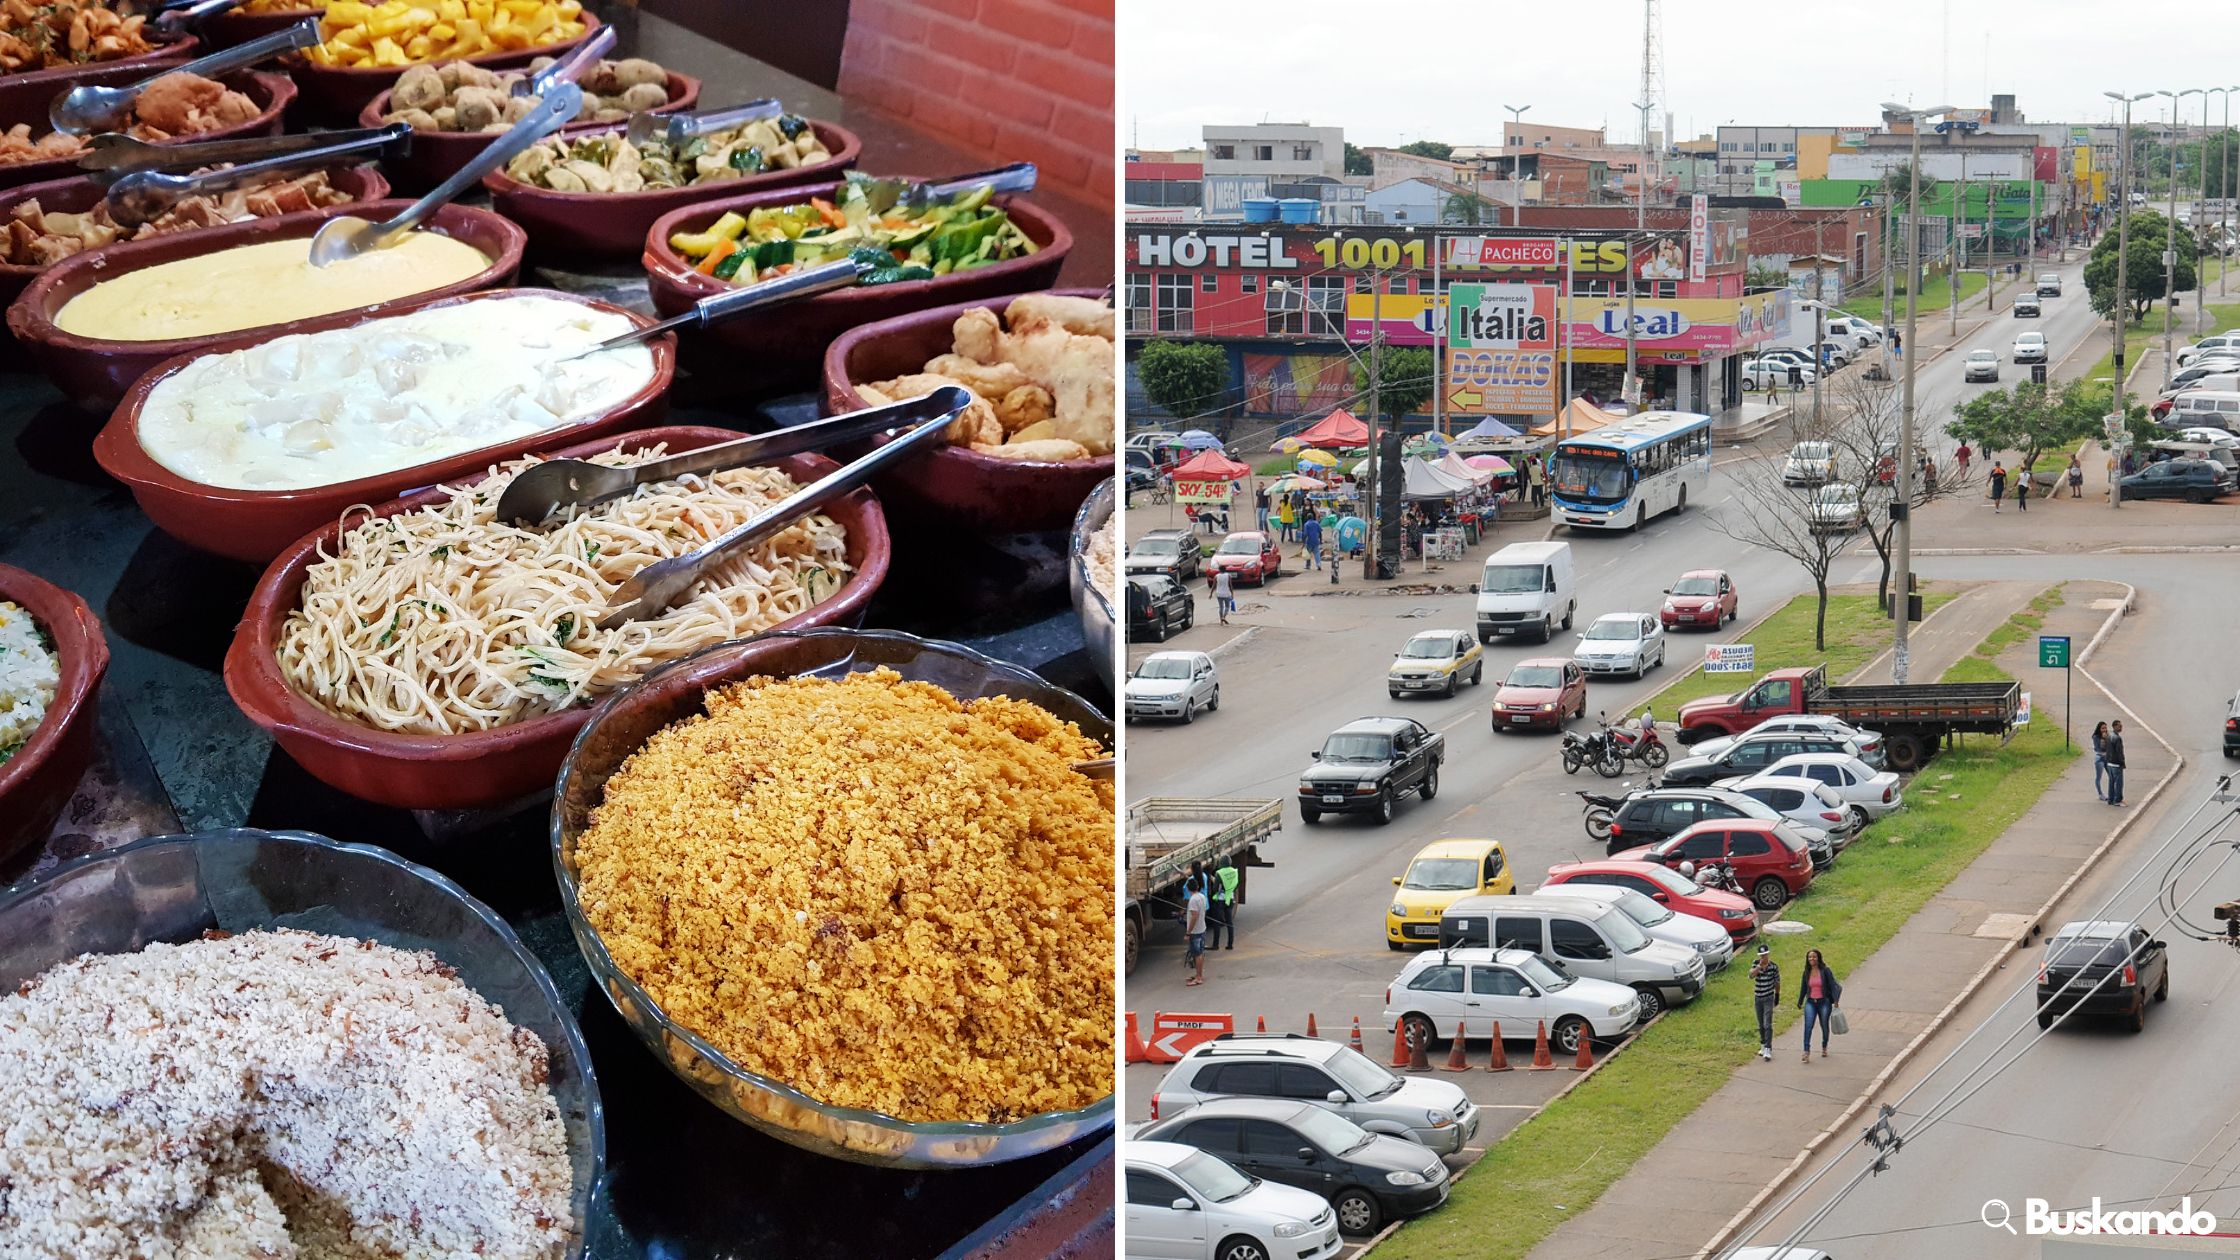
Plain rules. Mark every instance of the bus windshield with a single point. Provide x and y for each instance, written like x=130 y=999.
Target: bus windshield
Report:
x=1594 y=476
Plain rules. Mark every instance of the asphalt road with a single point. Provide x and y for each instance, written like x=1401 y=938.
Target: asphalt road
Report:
x=1311 y=934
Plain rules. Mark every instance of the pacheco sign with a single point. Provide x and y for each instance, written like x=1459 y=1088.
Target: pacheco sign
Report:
x=1501 y=349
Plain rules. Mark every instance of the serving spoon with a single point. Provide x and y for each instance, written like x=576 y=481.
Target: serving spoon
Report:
x=651 y=590
x=79 y=110
x=140 y=196
x=347 y=236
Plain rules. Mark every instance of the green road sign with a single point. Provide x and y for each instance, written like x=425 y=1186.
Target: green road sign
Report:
x=2053 y=651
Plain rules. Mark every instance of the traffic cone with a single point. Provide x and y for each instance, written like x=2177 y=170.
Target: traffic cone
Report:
x=1541 y=1060
x=1310 y=1025
x=1457 y=1060
x=1419 y=1055
x=1500 y=1054
x=1137 y=1051
x=1262 y=1025
x=1399 y=1045
x=1356 y=1040
x=1586 y=1053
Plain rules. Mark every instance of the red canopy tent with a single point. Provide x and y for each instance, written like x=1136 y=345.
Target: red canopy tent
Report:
x=1337 y=430
x=1209 y=465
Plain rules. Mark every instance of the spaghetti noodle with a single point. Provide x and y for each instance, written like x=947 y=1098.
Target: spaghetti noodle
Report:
x=444 y=620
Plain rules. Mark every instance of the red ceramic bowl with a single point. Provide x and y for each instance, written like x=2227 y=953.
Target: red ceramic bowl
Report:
x=437 y=155
x=797 y=333
x=336 y=93
x=70 y=196
x=271 y=92
x=259 y=524
x=616 y=224
x=979 y=492
x=480 y=769
x=38 y=781
x=40 y=86
x=95 y=372
x=235 y=27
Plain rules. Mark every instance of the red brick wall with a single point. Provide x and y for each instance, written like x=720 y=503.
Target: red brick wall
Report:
x=1014 y=79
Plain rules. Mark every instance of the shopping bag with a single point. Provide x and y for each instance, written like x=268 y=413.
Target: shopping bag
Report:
x=1837 y=1022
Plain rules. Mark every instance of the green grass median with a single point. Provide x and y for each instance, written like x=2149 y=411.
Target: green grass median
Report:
x=1559 y=1162
x=1857 y=633
x=1935 y=296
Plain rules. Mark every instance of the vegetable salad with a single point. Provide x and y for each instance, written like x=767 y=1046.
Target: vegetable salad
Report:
x=968 y=230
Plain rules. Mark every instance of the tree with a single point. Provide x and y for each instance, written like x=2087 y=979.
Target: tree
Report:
x=1186 y=378
x=2031 y=419
x=2148 y=234
x=1404 y=380
x=1357 y=162
x=1767 y=276
x=1462 y=207
x=1764 y=513
x=1429 y=149
x=1869 y=420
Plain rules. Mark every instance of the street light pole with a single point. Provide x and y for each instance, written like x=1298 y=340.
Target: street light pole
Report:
x=1959 y=245
x=1376 y=431
x=1641 y=176
x=2200 y=212
x=2225 y=191
x=2122 y=304
x=2170 y=231
x=1902 y=597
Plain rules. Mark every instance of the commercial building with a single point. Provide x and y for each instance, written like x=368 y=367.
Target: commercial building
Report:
x=1277 y=151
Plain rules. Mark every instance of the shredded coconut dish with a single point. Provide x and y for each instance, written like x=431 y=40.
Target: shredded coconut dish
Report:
x=274 y=1095
x=29 y=674
x=868 y=890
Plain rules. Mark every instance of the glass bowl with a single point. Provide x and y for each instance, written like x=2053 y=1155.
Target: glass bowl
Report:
x=625 y=720
x=1093 y=603
x=174 y=888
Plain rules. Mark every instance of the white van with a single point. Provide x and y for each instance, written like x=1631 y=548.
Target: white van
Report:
x=1584 y=937
x=1526 y=590
x=1858 y=333
x=2212 y=407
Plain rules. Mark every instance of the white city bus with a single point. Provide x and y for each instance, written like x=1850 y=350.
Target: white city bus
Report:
x=1619 y=476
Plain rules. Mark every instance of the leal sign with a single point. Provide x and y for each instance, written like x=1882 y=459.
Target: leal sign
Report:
x=1196 y=250
x=1650 y=323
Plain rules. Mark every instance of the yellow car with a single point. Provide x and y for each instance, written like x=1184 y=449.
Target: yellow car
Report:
x=1440 y=874
x=1436 y=660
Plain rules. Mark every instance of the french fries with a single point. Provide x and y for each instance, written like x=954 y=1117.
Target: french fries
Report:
x=403 y=32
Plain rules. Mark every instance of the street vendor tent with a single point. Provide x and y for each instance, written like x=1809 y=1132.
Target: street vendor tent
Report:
x=1316 y=459
x=1455 y=467
x=1426 y=480
x=1487 y=428
x=1585 y=417
x=1198 y=440
x=1336 y=430
x=1209 y=465
x=1490 y=463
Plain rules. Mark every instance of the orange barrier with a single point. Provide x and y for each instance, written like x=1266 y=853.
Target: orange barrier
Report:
x=1541 y=1060
x=1176 y=1034
x=1356 y=1041
x=1137 y=1052
x=1457 y=1058
x=1399 y=1045
x=1310 y=1025
x=1586 y=1053
x=1419 y=1055
x=1500 y=1053
x=1261 y=1025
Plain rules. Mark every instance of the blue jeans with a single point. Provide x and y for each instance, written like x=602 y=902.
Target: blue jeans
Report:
x=2099 y=777
x=2115 y=785
x=1816 y=1009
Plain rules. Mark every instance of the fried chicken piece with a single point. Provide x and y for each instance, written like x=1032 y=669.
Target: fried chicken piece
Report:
x=184 y=104
x=1053 y=450
x=1090 y=317
x=989 y=380
x=1078 y=372
x=978 y=335
x=978 y=424
x=1024 y=407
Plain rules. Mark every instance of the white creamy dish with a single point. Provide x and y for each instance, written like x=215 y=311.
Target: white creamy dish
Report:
x=320 y=408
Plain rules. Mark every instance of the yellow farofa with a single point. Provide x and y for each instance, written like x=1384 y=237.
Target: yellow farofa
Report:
x=870 y=891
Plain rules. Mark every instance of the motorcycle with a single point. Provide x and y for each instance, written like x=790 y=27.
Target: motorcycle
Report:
x=1713 y=875
x=1600 y=811
x=1598 y=750
x=1642 y=746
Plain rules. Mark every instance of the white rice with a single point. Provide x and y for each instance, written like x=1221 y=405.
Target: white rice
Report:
x=29 y=674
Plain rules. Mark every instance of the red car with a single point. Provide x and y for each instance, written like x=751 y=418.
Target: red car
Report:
x=1250 y=555
x=1662 y=884
x=1759 y=855
x=1703 y=599
x=1542 y=691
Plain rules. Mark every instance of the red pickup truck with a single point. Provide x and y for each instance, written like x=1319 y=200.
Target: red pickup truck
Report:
x=1913 y=719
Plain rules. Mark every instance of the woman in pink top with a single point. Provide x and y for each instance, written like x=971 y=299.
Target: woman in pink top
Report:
x=1818 y=994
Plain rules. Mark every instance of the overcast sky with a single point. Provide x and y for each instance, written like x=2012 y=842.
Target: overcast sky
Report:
x=1443 y=69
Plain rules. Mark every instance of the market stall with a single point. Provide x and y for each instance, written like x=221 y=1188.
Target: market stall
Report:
x=206 y=688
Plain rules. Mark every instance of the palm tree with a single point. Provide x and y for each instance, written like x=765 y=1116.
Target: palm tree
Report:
x=1462 y=207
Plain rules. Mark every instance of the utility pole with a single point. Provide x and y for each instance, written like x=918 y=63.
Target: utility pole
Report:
x=1889 y=273
x=1632 y=390
x=2200 y=214
x=1902 y=597
x=1641 y=176
x=2030 y=268
x=1959 y=247
x=2225 y=190
x=2123 y=287
x=1376 y=429
x=1438 y=337
x=1570 y=340
x=1819 y=325
x=2170 y=232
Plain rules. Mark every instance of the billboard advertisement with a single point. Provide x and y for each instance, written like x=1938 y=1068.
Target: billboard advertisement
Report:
x=1295 y=384
x=1699 y=235
x=1409 y=319
x=1501 y=354
x=1538 y=253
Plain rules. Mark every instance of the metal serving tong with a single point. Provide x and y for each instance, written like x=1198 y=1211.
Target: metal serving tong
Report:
x=347 y=235
x=675 y=129
x=139 y=196
x=81 y=110
x=916 y=195
x=568 y=69
x=112 y=155
x=651 y=590
x=717 y=307
x=174 y=19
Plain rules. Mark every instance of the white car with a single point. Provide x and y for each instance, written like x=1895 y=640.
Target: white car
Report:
x=1183 y=1202
x=1173 y=685
x=1980 y=365
x=1805 y=802
x=2221 y=341
x=2209 y=437
x=1868 y=743
x=1661 y=923
x=1870 y=792
x=1809 y=463
x=1621 y=643
x=2030 y=347
x=1774 y=374
x=1835 y=508
x=1475 y=986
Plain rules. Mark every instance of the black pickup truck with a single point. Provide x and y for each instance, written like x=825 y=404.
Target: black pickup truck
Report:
x=1365 y=766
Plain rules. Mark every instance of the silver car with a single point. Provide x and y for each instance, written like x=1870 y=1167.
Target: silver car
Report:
x=1176 y=685
x=1981 y=365
x=1809 y=463
x=1621 y=643
x=1328 y=1074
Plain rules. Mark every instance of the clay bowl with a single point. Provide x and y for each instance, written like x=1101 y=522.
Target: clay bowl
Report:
x=272 y=92
x=617 y=224
x=794 y=336
x=38 y=781
x=80 y=192
x=235 y=27
x=437 y=155
x=956 y=484
x=40 y=86
x=480 y=769
x=95 y=372
x=257 y=525
x=336 y=93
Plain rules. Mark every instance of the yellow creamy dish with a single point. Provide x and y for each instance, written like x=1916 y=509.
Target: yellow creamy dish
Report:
x=250 y=286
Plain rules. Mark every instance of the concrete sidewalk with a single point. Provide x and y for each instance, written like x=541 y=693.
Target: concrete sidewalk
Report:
x=1717 y=1159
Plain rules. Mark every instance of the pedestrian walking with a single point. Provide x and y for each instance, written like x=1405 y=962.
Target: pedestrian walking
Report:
x=1818 y=994
x=1224 y=594
x=1224 y=905
x=1897 y=342
x=1260 y=507
x=2112 y=753
x=1194 y=907
x=1766 y=974
x=1310 y=540
x=1998 y=484
x=1285 y=520
x=2076 y=477
x=2100 y=761
x=2022 y=489
x=1963 y=455
x=1536 y=479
